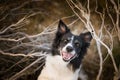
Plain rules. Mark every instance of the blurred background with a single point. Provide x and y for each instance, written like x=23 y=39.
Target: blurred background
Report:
x=27 y=28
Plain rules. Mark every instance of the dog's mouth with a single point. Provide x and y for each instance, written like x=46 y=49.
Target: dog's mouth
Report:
x=67 y=56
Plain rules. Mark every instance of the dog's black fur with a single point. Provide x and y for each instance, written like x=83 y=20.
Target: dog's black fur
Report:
x=84 y=39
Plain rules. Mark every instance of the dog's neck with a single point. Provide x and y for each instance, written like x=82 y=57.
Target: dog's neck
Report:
x=76 y=62
x=57 y=62
x=57 y=69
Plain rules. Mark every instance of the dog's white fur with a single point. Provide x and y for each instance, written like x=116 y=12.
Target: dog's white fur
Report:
x=56 y=69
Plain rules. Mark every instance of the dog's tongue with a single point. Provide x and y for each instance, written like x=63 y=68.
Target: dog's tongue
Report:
x=66 y=56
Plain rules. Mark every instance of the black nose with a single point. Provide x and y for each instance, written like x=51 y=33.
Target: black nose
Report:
x=69 y=49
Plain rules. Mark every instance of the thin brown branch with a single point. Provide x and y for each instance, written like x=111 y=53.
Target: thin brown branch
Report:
x=11 y=54
x=22 y=5
x=19 y=74
x=116 y=7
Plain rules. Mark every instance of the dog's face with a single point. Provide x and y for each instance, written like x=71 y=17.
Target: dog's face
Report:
x=69 y=45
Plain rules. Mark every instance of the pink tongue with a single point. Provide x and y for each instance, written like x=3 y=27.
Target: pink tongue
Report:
x=67 y=56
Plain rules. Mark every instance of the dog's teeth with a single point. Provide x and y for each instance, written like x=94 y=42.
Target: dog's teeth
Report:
x=67 y=56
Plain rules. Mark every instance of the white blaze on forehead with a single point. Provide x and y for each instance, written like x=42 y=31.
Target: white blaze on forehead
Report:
x=69 y=44
x=71 y=41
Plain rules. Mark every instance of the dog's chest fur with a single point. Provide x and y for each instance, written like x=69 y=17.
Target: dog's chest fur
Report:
x=56 y=69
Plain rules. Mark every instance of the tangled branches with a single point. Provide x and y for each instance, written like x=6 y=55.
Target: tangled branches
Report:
x=84 y=14
x=23 y=48
x=28 y=51
x=24 y=54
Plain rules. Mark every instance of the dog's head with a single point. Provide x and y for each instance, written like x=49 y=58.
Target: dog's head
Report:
x=68 y=45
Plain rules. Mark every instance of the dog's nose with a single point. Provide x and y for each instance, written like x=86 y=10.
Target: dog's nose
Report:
x=69 y=49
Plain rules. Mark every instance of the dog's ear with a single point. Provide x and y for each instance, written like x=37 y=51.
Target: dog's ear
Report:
x=87 y=37
x=62 y=27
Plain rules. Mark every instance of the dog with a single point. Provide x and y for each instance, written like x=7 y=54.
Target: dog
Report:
x=68 y=50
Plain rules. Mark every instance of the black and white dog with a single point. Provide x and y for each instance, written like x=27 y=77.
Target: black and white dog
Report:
x=68 y=51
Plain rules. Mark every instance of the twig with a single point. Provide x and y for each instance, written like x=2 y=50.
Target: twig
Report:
x=101 y=60
x=17 y=75
x=11 y=54
x=116 y=7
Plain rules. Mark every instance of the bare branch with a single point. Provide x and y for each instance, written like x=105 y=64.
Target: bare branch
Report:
x=20 y=73
x=10 y=54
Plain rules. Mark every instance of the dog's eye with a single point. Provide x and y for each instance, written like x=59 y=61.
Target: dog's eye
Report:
x=65 y=41
x=77 y=44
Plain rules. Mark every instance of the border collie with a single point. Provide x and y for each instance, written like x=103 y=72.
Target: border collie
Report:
x=68 y=51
